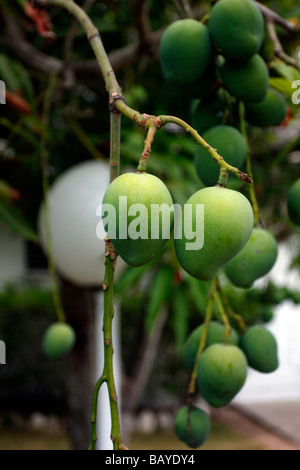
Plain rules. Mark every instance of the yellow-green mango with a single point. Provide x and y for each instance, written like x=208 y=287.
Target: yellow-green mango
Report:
x=136 y=199
x=271 y=111
x=293 y=202
x=208 y=244
x=184 y=51
x=229 y=143
x=247 y=81
x=58 y=339
x=254 y=261
x=260 y=348
x=192 y=426
x=222 y=372
x=215 y=334
x=237 y=28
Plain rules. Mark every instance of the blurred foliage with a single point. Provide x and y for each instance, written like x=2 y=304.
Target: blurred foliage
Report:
x=79 y=130
x=29 y=381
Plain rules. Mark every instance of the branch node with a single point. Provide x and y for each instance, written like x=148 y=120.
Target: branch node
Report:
x=112 y=100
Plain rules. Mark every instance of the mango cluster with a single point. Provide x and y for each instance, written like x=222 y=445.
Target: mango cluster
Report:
x=222 y=371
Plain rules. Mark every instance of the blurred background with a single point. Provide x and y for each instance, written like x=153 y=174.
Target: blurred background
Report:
x=54 y=142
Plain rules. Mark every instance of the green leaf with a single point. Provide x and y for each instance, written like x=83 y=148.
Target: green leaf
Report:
x=160 y=290
x=283 y=85
x=180 y=315
x=129 y=278
x=10 y=215
x=199 y=293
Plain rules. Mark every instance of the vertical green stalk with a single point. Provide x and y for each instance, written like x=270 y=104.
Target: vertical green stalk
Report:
x=252 y=194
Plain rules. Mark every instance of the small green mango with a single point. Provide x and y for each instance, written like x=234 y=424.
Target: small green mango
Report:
x=192 y=426
x=227 y=226
x=222 y=372
x=260 y=348
x=58 y=339
x=237 y=28
x=247 y=81
x=184 y=51
x=254 y=261
x=136 y=199
x=229 y=143
x=293 y=202
x=271 y=111
x=215 y=334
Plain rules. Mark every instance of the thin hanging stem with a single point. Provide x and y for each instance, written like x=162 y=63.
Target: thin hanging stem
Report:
x=252 y=194
x=46 y=211
x=202 y=343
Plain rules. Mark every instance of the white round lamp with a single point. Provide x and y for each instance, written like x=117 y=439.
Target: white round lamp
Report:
x=73 y=201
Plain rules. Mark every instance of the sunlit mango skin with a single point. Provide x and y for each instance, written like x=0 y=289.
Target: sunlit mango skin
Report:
x=192 y=426
x=255 y=260
x=228 y=223
x=222 y=372
x=260 y=348
x=139 y=188
x=215 y=334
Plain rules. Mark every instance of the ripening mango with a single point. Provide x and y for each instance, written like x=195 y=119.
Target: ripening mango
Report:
x=222 y=372
x=192 y=426
x=247 y=81
x=215 y=334
x=204 y=244
x=229 y=143
x=255 y=260
x=58 y=339
x=184 y=51
x=237 y=28
x=293 y=202
x=260 y=348
x=132 y=218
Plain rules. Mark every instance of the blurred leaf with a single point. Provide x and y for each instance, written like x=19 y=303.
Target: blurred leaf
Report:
x=15 y=221
x=129 y=278
x=199 y=293
x=283 y=85
x=7 y=191
x=180 y=315
x=160 y=290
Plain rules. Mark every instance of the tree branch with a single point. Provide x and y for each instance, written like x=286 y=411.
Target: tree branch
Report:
x=273 y=17
x=120 y=58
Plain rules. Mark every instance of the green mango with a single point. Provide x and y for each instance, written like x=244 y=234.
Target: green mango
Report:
x=293 y=202
x=260 y=348
x=237 y=27
x=247 y=81
x=58 y=339
x=271 y=111
x=192 y=426
x=229 y=143
x=208 y=114
x=184 y=51
x=226 y=228
x=136 y=199
x=215 y=334
x=222 y=372
x=254 y=261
